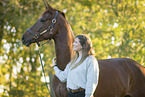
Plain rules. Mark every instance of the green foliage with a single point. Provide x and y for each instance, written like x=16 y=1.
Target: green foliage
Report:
x=116 y=28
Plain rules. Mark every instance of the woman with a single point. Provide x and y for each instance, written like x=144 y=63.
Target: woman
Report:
x=82 y=72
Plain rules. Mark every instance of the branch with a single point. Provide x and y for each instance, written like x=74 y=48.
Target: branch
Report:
x=114 y=9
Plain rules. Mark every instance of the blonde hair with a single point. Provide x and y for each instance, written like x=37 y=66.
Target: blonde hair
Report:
x=87 y=50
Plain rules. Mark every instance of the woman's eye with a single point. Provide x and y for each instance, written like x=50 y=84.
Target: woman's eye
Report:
x=42 y=20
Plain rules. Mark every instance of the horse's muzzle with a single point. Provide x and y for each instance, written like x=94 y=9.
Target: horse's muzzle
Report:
x=26 y=42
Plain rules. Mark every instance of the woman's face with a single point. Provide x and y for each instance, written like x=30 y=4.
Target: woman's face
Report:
x=77 y=45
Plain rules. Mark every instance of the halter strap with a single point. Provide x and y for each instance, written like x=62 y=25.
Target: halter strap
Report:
x=36 y=36
x=50 y=28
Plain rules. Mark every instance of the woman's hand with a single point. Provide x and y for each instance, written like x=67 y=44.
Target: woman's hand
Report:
x=53 y=61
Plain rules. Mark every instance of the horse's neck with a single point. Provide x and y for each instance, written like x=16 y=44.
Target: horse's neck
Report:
x=63 y=47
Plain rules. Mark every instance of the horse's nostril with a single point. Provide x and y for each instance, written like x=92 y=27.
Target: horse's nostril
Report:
x=22 y=37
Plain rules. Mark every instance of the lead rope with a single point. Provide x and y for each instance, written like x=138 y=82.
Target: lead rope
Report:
x=43 y=67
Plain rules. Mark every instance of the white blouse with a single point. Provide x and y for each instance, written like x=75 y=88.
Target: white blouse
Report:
x=86 y=75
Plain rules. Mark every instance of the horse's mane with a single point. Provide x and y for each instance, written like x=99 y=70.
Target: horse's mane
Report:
x=62 y=13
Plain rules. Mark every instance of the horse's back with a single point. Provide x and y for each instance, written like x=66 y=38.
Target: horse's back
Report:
x=123 y=76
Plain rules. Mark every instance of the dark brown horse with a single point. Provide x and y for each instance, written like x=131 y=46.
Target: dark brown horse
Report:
x=119 y=77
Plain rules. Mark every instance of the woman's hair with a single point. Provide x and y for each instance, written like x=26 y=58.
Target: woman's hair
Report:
x=87 y=50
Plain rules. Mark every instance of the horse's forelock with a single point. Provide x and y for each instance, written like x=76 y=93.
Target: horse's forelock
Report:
x=62 y=13
x=47 y=10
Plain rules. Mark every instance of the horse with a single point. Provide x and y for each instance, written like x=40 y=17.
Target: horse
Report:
x=119 y=77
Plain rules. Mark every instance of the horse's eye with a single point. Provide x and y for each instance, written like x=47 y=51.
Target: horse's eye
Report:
x=42 y=20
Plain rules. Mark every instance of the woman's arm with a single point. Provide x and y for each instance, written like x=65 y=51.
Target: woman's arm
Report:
x=62 y=75
x=92 y=77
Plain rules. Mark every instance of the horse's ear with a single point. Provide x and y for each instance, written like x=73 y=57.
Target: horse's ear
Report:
x=47 y=6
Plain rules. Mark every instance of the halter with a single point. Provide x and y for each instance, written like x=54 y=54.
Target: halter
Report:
x=36 y=36
x=50 y=28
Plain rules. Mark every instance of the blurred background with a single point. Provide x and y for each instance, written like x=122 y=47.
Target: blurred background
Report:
x=116 y=27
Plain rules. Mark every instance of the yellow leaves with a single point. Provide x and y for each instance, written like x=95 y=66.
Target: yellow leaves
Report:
x=19 y=30
x=131 y=34
x=31 y=84
x=39 y=93
x=95 y=6
x=14 y=84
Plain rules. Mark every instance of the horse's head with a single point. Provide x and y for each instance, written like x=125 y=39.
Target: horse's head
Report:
x=45 y=28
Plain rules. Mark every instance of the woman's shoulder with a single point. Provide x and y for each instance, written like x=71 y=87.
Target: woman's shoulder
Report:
x=91 y=57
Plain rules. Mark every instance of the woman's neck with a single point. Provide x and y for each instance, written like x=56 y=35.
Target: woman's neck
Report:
x=80 y=53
